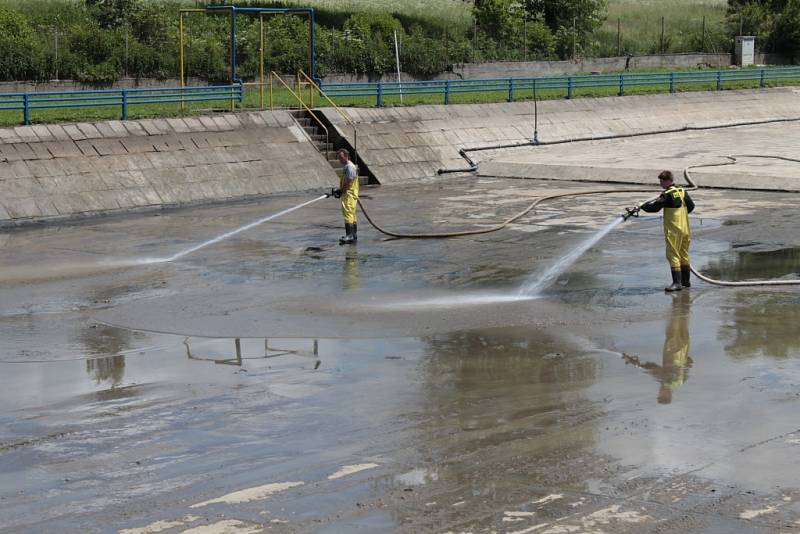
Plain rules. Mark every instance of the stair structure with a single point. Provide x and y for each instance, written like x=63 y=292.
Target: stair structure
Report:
x=328 y=147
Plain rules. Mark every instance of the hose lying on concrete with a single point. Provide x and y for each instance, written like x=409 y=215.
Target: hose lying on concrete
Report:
x=473 y=166
x=500 y=226
x=732 y=160
x=686 y=172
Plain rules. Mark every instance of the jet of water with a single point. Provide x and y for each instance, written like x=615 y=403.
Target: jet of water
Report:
x=27 y=273
x=232 y=233
x=534 y=285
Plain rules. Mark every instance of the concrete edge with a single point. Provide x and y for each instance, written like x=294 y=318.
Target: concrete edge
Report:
x=620 y=175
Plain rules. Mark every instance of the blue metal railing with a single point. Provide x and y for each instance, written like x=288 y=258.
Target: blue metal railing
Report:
x=124 y=98
x=513 y=86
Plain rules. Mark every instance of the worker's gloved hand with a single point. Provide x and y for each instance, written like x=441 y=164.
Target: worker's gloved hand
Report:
x=335 y=193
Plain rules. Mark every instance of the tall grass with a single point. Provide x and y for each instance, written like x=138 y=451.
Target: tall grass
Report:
x=455 y=14
x=640 y=27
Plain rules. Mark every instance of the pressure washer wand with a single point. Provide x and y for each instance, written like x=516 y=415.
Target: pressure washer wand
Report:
x=631 y=212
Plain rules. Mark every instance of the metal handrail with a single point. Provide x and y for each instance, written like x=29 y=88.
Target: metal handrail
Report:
x=345 y=116
x=26 y=102
x=319 y=122
x=568 y=83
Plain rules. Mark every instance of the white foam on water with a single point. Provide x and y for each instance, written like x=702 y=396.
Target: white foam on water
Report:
x=535 y=284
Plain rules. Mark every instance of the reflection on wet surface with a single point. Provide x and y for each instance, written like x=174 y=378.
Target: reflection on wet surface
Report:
x=391 y=387
x=258 y=353
x=755 y=265
x=675 y=361
x=761 y=324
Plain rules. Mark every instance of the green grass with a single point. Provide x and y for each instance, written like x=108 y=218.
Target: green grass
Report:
x=640 y=26
x=282 y=98
x=454 y=13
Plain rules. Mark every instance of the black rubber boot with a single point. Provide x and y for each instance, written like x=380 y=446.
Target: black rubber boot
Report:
x=686 y=272
x=676 y=281
x=355 y=232
x=348 y=232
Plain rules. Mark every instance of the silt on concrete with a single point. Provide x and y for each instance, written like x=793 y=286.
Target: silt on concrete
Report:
x=279 y=382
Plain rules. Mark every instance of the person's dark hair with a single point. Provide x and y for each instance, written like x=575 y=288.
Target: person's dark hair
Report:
x=666 y=175
x=343 y=151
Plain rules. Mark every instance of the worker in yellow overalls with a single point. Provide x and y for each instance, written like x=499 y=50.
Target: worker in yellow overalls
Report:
x=348 y=192
x=677 y=205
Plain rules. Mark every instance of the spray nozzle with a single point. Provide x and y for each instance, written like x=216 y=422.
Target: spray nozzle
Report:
x=630 y=212
x=335 y=193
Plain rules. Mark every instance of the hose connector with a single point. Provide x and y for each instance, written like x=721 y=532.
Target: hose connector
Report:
x=630 y=212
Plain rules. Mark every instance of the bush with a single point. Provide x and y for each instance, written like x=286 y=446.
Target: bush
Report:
x=21 y=54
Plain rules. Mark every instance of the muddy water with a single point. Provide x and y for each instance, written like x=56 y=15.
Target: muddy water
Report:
x=320 y=404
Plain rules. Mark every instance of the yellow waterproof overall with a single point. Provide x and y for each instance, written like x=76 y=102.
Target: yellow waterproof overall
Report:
x=349 y=199
x=677 y=233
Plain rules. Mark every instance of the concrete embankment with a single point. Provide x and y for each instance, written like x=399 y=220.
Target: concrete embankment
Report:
x=57 y=172
x=402 y=144
x=54 y=172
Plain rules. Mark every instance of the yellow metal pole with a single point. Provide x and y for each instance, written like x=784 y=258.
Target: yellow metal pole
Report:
x=261 y=61
x=183 y=82
x=299 y=91
x=270 y=92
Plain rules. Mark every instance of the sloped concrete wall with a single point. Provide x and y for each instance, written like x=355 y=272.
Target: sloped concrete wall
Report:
x=408 y=143
x=64 y=171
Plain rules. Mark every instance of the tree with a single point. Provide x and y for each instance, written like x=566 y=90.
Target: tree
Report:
x=561 y=15
x=774 y=23
x=111 y=13
x=499 y=19
x=21 y=54
x=550 y=23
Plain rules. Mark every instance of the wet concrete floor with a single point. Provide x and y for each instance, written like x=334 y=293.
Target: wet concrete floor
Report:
x=279 y=382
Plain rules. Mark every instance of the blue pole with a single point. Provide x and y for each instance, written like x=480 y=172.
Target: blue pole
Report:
x=26 y=118
x=446 y=92
x=671 y=82
x=621 y=85
x=511 y=89
x=761 y=81
x=719 y=80
x=379 y=101
x=124 y=105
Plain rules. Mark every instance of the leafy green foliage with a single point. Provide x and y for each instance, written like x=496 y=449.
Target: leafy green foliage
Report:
x=100 y=41
x=774 y=23
x=20 y=50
